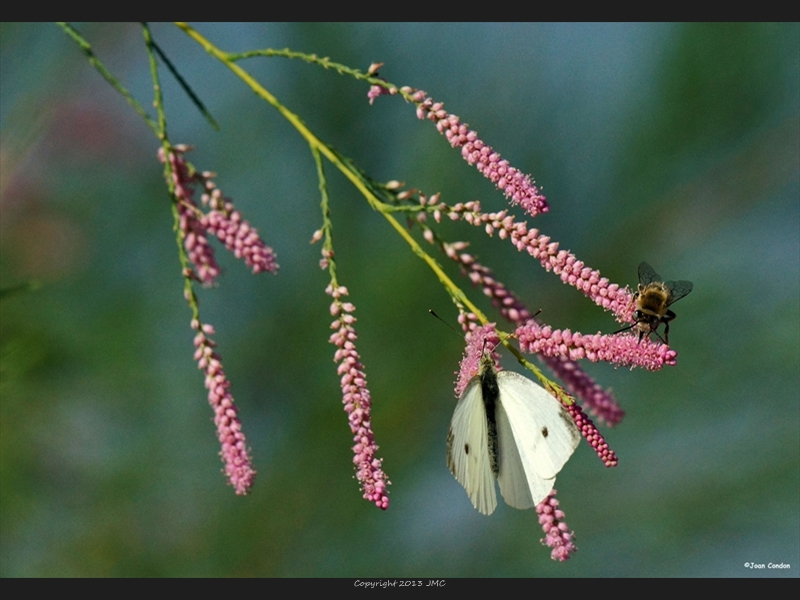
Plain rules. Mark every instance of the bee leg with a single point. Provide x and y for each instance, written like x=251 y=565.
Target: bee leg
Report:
x=623 y=329
x=668 y=316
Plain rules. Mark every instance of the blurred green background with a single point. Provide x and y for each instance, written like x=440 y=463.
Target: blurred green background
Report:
x=675 y=144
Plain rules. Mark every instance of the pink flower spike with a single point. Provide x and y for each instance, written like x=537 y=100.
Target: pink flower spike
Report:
x=222 y=221
x=357 y=404
x=573 y=272
x=518 y=187
x=592 y=435
x=234 y=452
x=618 y=349
x=600 y=402
x=479 y=341
x=242 y=239
x=557 y=534
x=193 y=232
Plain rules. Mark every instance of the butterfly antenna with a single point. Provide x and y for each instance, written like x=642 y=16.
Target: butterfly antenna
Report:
x=433 y=313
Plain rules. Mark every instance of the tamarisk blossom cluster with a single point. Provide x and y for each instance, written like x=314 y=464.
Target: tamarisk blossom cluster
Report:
x=574 y=272
x=620 y=350
x=222 y=221
x=486 y=336
x=194 y=233
x=518 y=187
x=238 y=235
x=600 y=402
x=234 y=452
x=592 y=435
x=356 y=400
x=560 y=350
x=557 y=534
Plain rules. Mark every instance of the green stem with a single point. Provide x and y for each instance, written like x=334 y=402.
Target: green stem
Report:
x=100 y=67
x=169 y=176
x=349 y=171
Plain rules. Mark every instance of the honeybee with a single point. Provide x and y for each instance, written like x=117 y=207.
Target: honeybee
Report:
x=652 y=301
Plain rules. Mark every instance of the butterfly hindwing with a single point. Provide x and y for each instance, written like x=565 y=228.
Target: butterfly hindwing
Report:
x=511 y=474
x=544 y=435
x=468 y=450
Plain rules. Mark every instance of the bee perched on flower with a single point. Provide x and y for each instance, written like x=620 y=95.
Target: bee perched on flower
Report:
x=653 y=299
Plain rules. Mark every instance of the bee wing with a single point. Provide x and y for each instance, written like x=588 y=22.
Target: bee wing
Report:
x=678 y=289
x=468 y=449
x=647 y=274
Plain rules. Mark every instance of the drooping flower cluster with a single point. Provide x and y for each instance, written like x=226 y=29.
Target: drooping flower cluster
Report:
x=592 y=435
x=194 y=232
x=222 y=221
x=234 y=452
x=241 y=238
x=560 y=350
x=357 y=401
x=483 y=339
x=518 y=187
x=572 y=271
x=599 y=401
x=558 y=535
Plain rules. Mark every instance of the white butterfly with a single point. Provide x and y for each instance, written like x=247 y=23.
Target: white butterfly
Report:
x=507 y=427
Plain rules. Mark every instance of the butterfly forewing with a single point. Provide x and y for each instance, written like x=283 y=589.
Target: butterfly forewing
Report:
x=468 y=451
x=545 y=436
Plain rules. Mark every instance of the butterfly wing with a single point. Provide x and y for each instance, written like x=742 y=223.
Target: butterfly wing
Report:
x=544 y=436
x=468 y=449
x=510 y=473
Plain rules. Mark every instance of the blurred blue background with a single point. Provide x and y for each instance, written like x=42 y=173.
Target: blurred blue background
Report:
x=674 y=144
